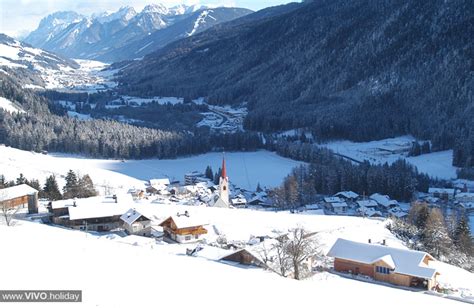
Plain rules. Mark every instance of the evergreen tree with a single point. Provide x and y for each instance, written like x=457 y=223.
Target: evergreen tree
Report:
x=51 y=189
x=209 y=174
x=462 y=236
x=21 y=180
x=71 y=189
x=35 y=184
x=3 y=181
x=86 y=187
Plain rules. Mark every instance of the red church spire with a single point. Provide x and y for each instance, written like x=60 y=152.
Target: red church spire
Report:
x=223 y=171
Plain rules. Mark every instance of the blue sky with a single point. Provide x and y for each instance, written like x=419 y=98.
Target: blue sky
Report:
x=21 y=16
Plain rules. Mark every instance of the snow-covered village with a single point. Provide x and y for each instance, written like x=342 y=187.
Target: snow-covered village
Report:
x=244 y=153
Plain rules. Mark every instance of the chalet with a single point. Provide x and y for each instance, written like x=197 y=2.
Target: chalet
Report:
x=183 y=228
x=384 y=201
x=339 y=207
x=103 y=218
x=442 y=193
x=136 y=223
x=347 y=195
x=403 y=267
x=19 y=196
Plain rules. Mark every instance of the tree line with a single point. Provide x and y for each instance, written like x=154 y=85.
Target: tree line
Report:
x=328 y=174
x=447 y=238
x=76 y=186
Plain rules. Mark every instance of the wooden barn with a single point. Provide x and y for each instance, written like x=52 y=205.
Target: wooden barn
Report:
x=246 y=257
x=183 y=228
x=18 y=196
x=402 y=267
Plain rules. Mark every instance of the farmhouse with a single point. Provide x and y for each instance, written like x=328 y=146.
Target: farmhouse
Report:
x=403 y=267
x=136 y=223
x=20 y=195
x=347 y=195
x=183 y=228
x=339 y=207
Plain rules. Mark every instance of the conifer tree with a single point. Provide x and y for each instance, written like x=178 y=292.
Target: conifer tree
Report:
x=51 y=189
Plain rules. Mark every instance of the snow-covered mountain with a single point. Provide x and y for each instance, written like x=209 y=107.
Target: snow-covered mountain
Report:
x=195 y=22
x=77 y=36
x=16 y=54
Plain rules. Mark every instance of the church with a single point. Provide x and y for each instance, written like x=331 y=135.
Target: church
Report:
x=221 y=198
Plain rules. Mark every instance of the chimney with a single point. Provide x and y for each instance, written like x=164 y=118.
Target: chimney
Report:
x=370 y=241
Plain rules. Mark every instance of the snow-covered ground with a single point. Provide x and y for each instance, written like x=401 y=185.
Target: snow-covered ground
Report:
x=121 y=272
x=245 y=169
x=436 y=164
x=9 y=106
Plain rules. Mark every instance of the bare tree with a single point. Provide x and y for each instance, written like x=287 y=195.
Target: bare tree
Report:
x=301 y=248
x=282 y=259
x=7 y=211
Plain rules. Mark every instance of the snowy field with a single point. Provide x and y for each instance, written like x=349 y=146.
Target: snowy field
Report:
x=125 y=272
x=9 y=106
x=436 y=164
x=245 y=169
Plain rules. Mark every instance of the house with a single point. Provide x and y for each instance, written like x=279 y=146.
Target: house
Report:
x=347 y=195
x=20 y=195
x=159 y=184
x=369 y=212
x=239 y=201
x=245 y=256
x=103 y=218
x=339 y=207
x=136 y=223
x=328 y=201
x=183 y=228
x=367 y=203
x=402 y=267
x=384 y=201
x=442 y=193
x=192 y=177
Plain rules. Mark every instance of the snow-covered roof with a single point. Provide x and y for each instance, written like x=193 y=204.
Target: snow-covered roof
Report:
x=433 y=190
x=383 y=200
x=339 y=204
x=403 y=261
x=332 y=199
x=367 y=203
x=347 y=194
x=101 y=210
x=309 y=207
x=238 y=200
x=186 y=221
x=370 y=212
x=131 y=216
x=16 y=192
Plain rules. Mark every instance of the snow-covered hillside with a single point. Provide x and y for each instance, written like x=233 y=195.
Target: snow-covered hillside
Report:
x=436 y=164
x=9 y=106
x=245 y=169
x=127 y=272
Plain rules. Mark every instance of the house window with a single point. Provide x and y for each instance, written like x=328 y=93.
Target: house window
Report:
x=382 y=270
x=187 y=238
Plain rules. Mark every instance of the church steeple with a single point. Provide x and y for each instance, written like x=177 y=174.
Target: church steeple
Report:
x=223 y=170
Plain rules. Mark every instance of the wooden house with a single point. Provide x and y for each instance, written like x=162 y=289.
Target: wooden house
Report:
x=183 y=228
x=136 y=223
x=18 y=196
x=403 y=267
